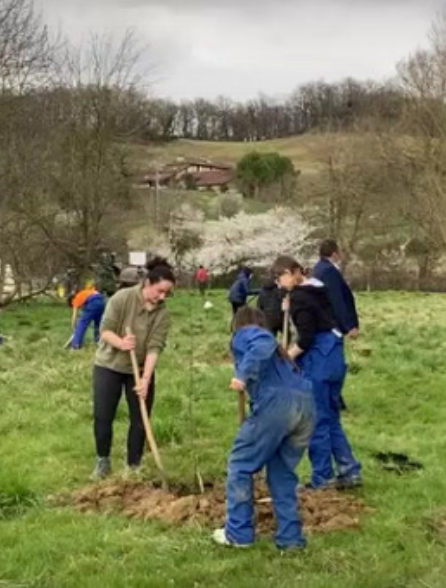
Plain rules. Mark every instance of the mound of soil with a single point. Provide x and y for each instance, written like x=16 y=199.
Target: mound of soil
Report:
x=322 y=511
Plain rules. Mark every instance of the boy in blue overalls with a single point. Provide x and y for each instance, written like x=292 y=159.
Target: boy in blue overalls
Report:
x=92 y=304
x=275 y=434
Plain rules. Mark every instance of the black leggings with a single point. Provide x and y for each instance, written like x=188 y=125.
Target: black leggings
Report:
x=107 y=390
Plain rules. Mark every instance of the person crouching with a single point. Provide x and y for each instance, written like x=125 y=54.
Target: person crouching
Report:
x=275 y=434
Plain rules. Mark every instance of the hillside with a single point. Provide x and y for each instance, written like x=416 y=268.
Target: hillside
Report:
x=308 y=152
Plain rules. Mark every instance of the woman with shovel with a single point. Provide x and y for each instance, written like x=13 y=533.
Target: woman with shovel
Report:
x=141 y=311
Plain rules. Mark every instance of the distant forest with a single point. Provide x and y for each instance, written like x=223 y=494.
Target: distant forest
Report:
x=316 y=106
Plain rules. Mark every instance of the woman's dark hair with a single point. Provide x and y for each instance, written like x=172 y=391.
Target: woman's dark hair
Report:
x=248 y=315
x=283 y=264
x=158 y=269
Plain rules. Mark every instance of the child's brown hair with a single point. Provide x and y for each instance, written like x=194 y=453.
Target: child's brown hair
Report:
x=285 y=263
x=248 y=316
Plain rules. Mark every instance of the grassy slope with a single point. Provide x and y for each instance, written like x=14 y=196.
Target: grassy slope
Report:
x=396 y=400
x=306 y=151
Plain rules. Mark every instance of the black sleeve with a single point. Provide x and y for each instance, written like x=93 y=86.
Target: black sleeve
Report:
x=303 y=316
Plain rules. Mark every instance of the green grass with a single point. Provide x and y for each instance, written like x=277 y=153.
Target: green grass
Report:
x=396 y=399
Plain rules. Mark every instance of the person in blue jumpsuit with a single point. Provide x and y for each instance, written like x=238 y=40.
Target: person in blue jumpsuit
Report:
x=92 y=304
x=319 y=353
x=241 y=289
x=339 y=293
x=275 y=434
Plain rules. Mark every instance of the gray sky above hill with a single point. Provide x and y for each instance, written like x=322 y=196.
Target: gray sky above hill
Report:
x=239 y=48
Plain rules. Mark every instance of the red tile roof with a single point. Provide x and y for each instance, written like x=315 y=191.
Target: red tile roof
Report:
x=213 y=178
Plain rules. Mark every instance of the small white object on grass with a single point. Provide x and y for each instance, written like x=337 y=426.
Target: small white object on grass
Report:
x=208 y=305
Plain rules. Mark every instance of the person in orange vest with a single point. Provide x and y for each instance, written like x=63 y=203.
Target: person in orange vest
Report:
x=92 y=304
x=202 y=279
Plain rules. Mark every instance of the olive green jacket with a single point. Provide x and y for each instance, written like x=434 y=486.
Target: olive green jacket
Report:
x=125 y=309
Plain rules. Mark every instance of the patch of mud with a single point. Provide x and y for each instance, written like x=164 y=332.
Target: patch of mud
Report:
x=322 y=511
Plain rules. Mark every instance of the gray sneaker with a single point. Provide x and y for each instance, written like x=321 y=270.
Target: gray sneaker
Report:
x=102 y=469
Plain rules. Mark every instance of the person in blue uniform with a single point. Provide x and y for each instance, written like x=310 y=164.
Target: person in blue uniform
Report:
x=275 y=434
x=241 y=289
x=339 y=293
x=319 y=353
x=91 y=303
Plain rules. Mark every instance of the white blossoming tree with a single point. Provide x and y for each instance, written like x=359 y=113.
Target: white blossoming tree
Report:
x=255 y=240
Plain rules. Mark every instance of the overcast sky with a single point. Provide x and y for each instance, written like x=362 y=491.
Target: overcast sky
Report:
x=239 y=48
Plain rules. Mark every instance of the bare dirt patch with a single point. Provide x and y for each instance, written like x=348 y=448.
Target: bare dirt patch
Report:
x=322 y=511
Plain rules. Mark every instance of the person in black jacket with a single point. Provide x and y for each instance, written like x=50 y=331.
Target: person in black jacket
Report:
x=319 y=353
x=270 y=301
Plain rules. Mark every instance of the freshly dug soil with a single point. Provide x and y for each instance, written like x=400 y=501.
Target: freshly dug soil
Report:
x=322 y=511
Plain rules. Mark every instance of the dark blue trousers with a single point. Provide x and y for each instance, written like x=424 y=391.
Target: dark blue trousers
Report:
x=92 y=313
x=325 y=366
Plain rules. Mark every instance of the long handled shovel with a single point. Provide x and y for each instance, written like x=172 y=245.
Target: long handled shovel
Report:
x=146 y=421
x=68 y=343
x=286 y=321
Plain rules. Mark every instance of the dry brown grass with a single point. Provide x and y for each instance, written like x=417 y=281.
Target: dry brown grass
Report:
x=308 y=152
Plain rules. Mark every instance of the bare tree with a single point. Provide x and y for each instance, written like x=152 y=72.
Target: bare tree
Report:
x=353 y=197
x=416 y=153
x=26 y=52
x=64 y=175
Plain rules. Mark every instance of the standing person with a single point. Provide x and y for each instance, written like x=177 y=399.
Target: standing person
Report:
x=107 y=273
x=92 y=304
x=142 y=309
x=274 y=435
x=240 y=289
x=341 y=297
x=319 y=352
x=72 y=285
x=202 y=279
x=130 y=276
x=270 y=302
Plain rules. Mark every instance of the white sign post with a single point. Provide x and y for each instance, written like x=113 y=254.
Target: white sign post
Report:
x=137 y=258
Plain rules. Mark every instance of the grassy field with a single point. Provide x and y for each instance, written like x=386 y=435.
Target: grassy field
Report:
x=397 y=403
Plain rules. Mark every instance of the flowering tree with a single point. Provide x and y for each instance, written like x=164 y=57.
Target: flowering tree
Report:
x=255 y=240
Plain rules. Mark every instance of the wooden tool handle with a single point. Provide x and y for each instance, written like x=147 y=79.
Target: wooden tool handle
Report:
x=145 y=417
x=241 y=407
x=286 y=321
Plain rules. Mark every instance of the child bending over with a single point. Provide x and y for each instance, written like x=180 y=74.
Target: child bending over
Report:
x=275 y=435
x=92 y=304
